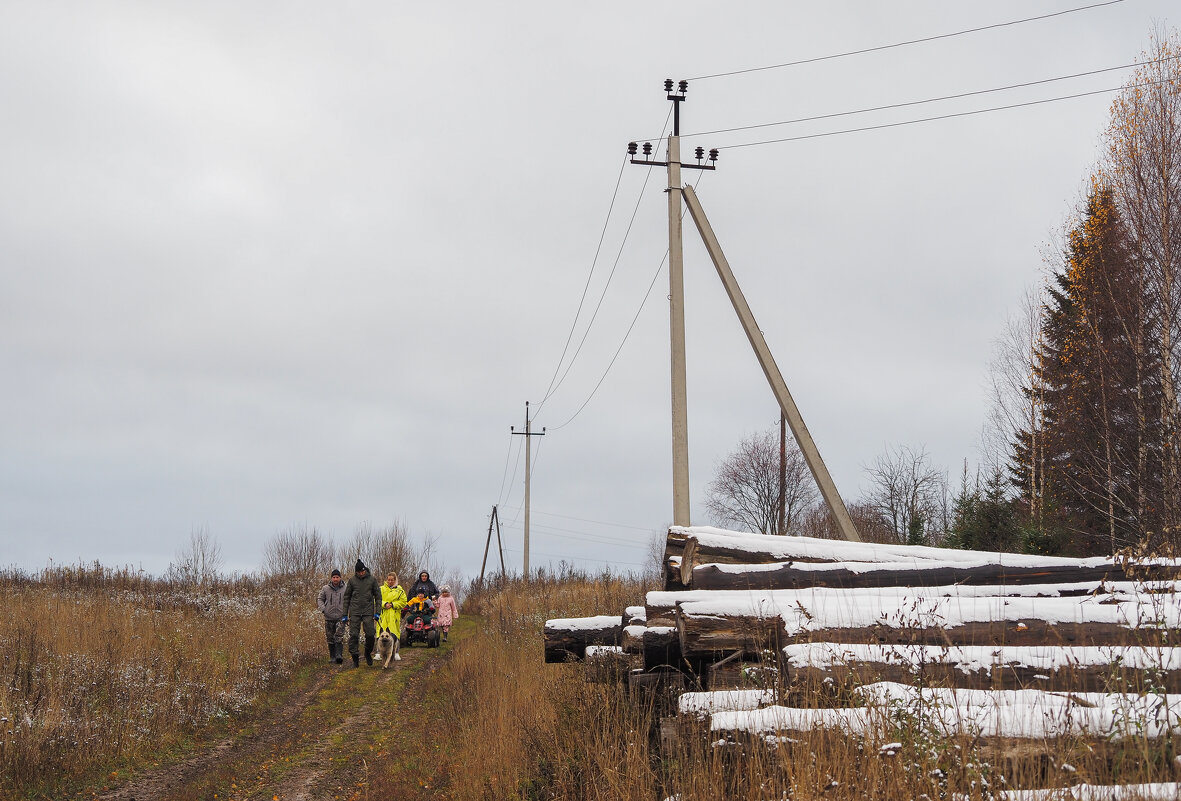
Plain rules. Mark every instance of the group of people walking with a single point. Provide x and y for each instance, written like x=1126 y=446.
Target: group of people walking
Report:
x=361 y=603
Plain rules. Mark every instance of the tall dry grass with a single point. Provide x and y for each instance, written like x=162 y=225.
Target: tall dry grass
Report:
x=528 y=730
x=101 y=665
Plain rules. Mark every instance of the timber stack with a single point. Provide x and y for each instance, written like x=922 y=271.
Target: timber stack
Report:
x=759 y=637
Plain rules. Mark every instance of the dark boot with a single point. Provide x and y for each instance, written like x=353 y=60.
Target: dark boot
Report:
x=368 y=656
x=339 y=652
x=331 y=652
x=356 y=660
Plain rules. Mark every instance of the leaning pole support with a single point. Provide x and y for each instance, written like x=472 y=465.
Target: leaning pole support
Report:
x=824 y=482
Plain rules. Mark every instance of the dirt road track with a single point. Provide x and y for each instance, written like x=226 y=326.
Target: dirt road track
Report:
x=311 y=743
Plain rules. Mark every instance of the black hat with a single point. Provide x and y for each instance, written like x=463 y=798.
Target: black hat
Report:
x=335 y=572
x=360 y=566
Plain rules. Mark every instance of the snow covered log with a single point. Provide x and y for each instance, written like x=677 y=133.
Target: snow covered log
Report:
x=1043 y=667
x=720 y=621
x=566 y=639
x=1008 y=714
x=1158 y=791
x=702 y=544
x=925 y=573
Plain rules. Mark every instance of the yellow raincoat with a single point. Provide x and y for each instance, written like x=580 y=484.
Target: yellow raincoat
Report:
x=393 y=601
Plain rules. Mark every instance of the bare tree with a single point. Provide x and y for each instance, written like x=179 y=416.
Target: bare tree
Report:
x=818 y=522
x=1017 y=397
x=906 y=488
x=299 y=552
x=1143 y=166
x=745 y=490
x=390 y=550
x=199 y=562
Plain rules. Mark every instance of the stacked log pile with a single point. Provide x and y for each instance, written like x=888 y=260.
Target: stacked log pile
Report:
x=1014 y=648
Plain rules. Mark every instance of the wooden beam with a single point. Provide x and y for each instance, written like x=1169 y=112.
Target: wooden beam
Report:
x=793 y=576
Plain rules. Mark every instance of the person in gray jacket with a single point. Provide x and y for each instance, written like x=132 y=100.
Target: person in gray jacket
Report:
x=330 y=602
x=362 y=606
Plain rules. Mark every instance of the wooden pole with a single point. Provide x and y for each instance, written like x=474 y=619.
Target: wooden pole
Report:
x=787 y=406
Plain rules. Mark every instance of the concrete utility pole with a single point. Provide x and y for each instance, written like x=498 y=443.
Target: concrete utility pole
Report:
x=787 y=406
x=493 y=520
x=528 y=434
x=782 y=472
x=676 y=295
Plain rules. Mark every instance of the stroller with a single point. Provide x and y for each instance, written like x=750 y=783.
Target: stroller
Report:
x=418 y=625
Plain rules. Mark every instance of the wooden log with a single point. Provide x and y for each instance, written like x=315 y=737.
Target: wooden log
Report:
x=798 y=575
x=662 y=646
x=566 y=639
x=1086 y=669
x=709 y=545
x=719 y=622
x=632 y=638
x=1011 y=714
x=605 y=664
x=713 y=635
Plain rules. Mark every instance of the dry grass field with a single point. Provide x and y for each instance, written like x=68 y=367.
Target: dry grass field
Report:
x=107 y=670
x=535 y=731
x=104 y=667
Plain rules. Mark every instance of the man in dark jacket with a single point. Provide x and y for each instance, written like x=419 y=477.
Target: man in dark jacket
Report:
x=424 y=584
x=362 y=606
x=330 y=602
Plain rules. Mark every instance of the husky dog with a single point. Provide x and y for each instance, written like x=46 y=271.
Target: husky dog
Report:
x=387 y=647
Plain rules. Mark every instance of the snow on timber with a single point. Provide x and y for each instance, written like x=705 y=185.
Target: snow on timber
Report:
x=706 y=703
x=818 y=608
x=635 y=612
x=602 y=651
x=1017 y=714
x=1161 y=791
x=982 y=658
x=813 y=549
x=593 y=623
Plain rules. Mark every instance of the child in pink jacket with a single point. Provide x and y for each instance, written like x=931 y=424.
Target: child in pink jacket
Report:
x=446 y=612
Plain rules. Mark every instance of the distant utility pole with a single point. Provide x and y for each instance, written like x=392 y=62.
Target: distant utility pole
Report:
x=494 y=520
x=782 y=471
x=528 y=434
x=676 y=293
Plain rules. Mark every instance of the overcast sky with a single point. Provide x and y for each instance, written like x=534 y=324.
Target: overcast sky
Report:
x=276 y=264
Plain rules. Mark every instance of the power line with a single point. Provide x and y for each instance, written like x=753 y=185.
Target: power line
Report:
x=584 y=558
x=507 y=456
x=552 y=387
x=939 y=117
x=610 y=276
x=585 y=520
x=603 y=539
x=906 y=43
x=627 y=334
x=928 y=100
x=586 y=286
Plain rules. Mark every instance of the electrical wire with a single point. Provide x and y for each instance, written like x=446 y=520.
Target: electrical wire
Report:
x=566 y=533
x=514 y=481
x=938 y=117
x=928 y=100
x=627 y=334
x=504 y=476
x=603 y=295
x=586 y=286
x=581 y=558
x=905 y=43
x=647 y=176
x=600 y=522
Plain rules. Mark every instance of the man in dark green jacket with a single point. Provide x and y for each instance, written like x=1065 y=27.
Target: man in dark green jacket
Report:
x=362 y=605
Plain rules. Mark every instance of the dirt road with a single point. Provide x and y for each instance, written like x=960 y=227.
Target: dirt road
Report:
x=331 y=733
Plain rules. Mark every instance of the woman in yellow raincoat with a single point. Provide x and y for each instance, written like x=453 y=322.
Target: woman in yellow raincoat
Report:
x=393 y=601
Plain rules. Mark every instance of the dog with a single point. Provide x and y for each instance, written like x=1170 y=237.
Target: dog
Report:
x=387 y=647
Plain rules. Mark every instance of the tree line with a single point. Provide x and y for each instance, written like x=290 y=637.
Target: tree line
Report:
x=1082 y=454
